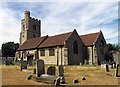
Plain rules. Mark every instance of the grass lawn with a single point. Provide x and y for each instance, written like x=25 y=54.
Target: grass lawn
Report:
x=95 y=75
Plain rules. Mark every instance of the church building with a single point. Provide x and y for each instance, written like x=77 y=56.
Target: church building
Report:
x=68 y=48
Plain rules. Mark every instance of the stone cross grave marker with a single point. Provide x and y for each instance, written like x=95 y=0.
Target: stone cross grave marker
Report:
x=107 y=68
x=51 y=70
x=118 y=70
x=40 y=68
x=23 y=65
x=61 y=70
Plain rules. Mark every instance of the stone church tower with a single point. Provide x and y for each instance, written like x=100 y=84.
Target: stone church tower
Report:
x=30 y=28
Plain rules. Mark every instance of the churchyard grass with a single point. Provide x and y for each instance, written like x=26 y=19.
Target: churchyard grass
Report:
x=95 y=75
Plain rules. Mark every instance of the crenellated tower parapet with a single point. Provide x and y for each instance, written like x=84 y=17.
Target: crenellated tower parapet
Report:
x=30 y=28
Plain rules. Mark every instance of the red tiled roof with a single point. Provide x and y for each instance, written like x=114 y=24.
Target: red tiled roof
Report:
x=56 y=40
x=32 y=43
x=89 y=39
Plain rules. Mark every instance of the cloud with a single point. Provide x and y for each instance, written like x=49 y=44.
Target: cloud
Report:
x=59 y=17
x=9 y=26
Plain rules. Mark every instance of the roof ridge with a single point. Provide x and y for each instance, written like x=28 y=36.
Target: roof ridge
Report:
x=90 y=34
x=60 y=34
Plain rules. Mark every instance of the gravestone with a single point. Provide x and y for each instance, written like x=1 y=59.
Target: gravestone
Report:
x=61 y=70
x=118 y=71
x=7 y=62
x=34 y=71
x=30 y=62
x=62 y=80
x=75 y=81
x=23 y=65
x=40 y=68
x=57 y=82
x=51 y=70
x=107 y=68
x=114 y=65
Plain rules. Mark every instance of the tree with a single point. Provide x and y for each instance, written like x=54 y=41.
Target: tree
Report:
x=113 y=47
x=9 y=49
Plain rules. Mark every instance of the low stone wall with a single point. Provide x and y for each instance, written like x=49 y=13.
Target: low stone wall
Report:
x=7 y=61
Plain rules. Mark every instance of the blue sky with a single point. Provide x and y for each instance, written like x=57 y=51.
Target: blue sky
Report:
x=60 y=17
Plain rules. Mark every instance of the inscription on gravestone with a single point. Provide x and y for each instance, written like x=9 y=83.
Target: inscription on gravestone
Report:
x=51 y=70
x=40 y=68
x=61 y=70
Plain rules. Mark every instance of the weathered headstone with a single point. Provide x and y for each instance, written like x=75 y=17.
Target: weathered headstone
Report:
x=114 y=65
x=23 y=65
x=62 y=80
x=75 y=81
x=29 y=77
x=51 y=70
x=40 y=68
x=7 y=62
x=61 y=70
x=30 y=62
x=107 y=68
x=83 y=78
x=57 y=82
x=118 y=71
x=34 y=71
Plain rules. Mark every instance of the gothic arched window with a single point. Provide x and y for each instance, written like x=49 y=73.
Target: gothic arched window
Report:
x=101 y=44
x=75 y=47
x=101 y=47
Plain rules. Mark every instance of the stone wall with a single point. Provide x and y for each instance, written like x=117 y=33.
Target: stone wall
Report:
x=101 y=48
x=116 y=57
x=74 y=59
x=60 y=54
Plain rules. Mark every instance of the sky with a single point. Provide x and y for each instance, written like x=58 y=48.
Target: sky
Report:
x=60 y=17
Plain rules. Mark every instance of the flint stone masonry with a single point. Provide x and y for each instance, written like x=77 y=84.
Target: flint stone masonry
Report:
x=40 y=68
x=51 y=70
x=23 y=65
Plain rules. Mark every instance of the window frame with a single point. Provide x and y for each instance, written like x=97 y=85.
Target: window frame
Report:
x=42 y=52
x=51 y=52
x=75 y=47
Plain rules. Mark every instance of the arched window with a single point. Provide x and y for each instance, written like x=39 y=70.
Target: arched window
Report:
x=101 y=44
x=101 y=47
x=75 y=47
x=34 y=27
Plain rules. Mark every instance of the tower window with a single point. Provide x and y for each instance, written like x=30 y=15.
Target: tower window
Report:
x=23 y=27
x=23 y=36
x=34 y=27
x=75 y=47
